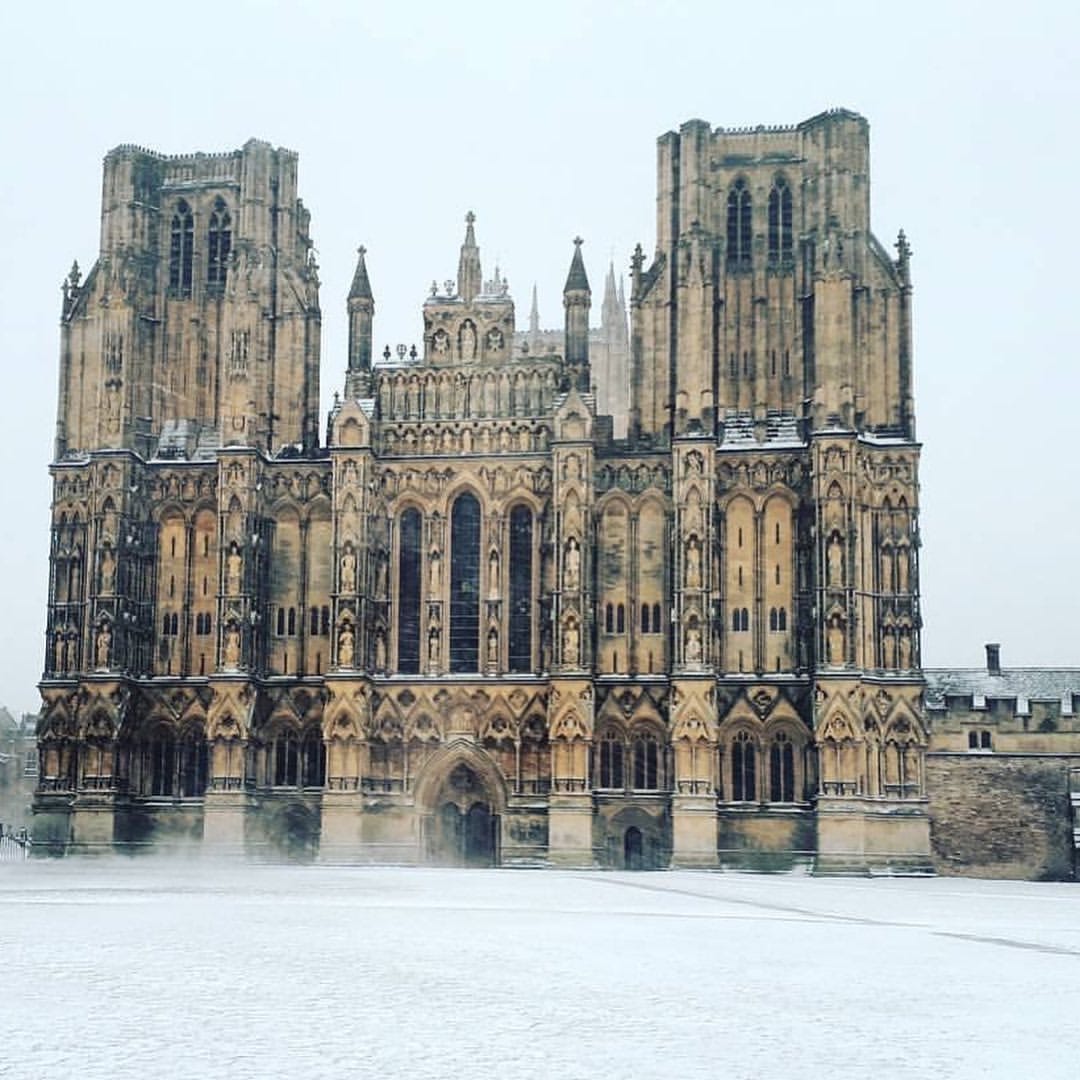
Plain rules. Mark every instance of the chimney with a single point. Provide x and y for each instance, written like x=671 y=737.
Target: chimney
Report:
x=993 y=658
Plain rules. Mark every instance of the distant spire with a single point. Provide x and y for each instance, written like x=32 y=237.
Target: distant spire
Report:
x=534 y=314
x=622 y=295
x=577 y=279
x=610 y=294
x=469 y=276
x=361 y=287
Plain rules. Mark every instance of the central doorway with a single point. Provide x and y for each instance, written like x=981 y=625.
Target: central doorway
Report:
x=464 y=830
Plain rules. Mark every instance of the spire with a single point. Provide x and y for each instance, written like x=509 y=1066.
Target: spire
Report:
x=361 y=287
x=534 y=314
x=610 y=296
x=577 y=279
x=622 y=297
x=469 y=277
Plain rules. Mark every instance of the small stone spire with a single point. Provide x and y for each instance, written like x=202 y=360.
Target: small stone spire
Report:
x=361 y=307
x=609 y=312
x=469 y=275
x=361 y=287
x=534 y=314
x=577 y=299
x=577 y=280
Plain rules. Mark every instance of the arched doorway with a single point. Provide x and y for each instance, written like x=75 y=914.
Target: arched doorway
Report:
x=633 y=853
x=464 y=829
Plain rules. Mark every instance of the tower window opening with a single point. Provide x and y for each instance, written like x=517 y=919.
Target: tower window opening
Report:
x=219 y=244
x=780 y=233
x=739 y=227
x=620 y=619
x=409 y=558
x=181 y=246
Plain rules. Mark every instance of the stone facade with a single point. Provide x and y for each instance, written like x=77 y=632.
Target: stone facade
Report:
x=1003 y=770
x=475 y=626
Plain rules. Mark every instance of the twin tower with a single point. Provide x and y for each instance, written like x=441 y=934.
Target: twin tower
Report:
x=633 y=595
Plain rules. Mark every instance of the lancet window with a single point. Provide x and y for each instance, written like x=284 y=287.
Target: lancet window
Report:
x=219 y=244
x=739 y=227
x=780 y=244
x=521 y=572
x=409 y=559
x=181 y=247
x=465 y=584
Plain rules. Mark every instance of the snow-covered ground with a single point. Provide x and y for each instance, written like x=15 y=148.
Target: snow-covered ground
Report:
x=135 y=969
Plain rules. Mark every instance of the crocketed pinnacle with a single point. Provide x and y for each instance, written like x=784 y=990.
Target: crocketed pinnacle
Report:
x=577 y=280
x=361 y=287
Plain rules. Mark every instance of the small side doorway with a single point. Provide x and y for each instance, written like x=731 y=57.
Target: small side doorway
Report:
x=633 y=858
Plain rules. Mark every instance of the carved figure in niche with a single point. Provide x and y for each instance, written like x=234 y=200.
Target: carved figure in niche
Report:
x=433 y=642
x=380 y=650
x=380 y=577
x=494 y=339
x=346 y=643
x=902 y=565
x=232 y=646
x=886 y=570
x=493 y=575
x=101 y=646
x=905 y=650
x=434 y=574
x=835 y=559
x=835 y=636
x=234 y=569
x=693 y=563
x=440 y=343
x=571 y=644
x=468 y=341
x=108 y=571
x=493 y=647
x=693 y=645
x=572 y=564
x=888 y=643
x=348 y=571
x=60 y=660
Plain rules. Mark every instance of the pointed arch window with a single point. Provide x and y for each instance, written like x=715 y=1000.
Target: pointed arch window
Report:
x=611 y=761
x=743 y=768
x=181 y=247
x=286 y=759
x=219 y=244
x=162 y=753
x=780 y=243
x=465 y=584
x=521 y=573
x=739 y=227
x=645 y=618
x=646 y=763
x=782 y=769
x=193 y=764
x=409 y=556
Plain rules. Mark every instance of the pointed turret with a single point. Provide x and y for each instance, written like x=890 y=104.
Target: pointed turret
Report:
x=609 y=313
x=577 y=299
x=361 y=305
x=534 y=315
x=469 y=275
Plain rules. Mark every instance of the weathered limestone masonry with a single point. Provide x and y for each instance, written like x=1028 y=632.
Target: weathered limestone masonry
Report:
x=1003 y=770
x=475 y=626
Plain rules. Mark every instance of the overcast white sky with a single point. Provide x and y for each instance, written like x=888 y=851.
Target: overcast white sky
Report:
x=542 y=119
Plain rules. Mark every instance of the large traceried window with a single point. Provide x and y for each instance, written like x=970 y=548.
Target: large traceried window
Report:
x=409 y=558
x=743 y=768
x=781 y=769
x=219 y=244
x=611 y=761
x=739 y=227
x=521 y=545
x=780 y=246
x=646 y=758
x=181 y=248
x=465 y=584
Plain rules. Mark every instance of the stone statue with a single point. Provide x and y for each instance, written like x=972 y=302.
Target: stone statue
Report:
x=101 y=646
x=836 y=561
x=905 y=650
x=434 y=575
x=108 y=571
x=693 y=563
x=693 y=645
x=433 y=642
x=346 y=641
x=493 y=575
x=348 y=571
x=493 y=647
x=234 y=568
x=572 y=564
x=380 y=650
x=836 y=642
x=902 y=567
x=232 y=646
x=468 y=342
x=571 y=644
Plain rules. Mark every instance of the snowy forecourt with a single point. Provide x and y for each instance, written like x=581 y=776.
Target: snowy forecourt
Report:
x=136 y=969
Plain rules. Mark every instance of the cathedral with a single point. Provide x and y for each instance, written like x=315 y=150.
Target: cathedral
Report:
x=638 y=596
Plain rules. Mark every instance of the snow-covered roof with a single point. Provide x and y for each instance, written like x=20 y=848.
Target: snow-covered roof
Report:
x=1022 y=684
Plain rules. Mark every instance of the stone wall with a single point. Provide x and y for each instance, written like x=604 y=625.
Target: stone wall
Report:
x=1001 y=815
